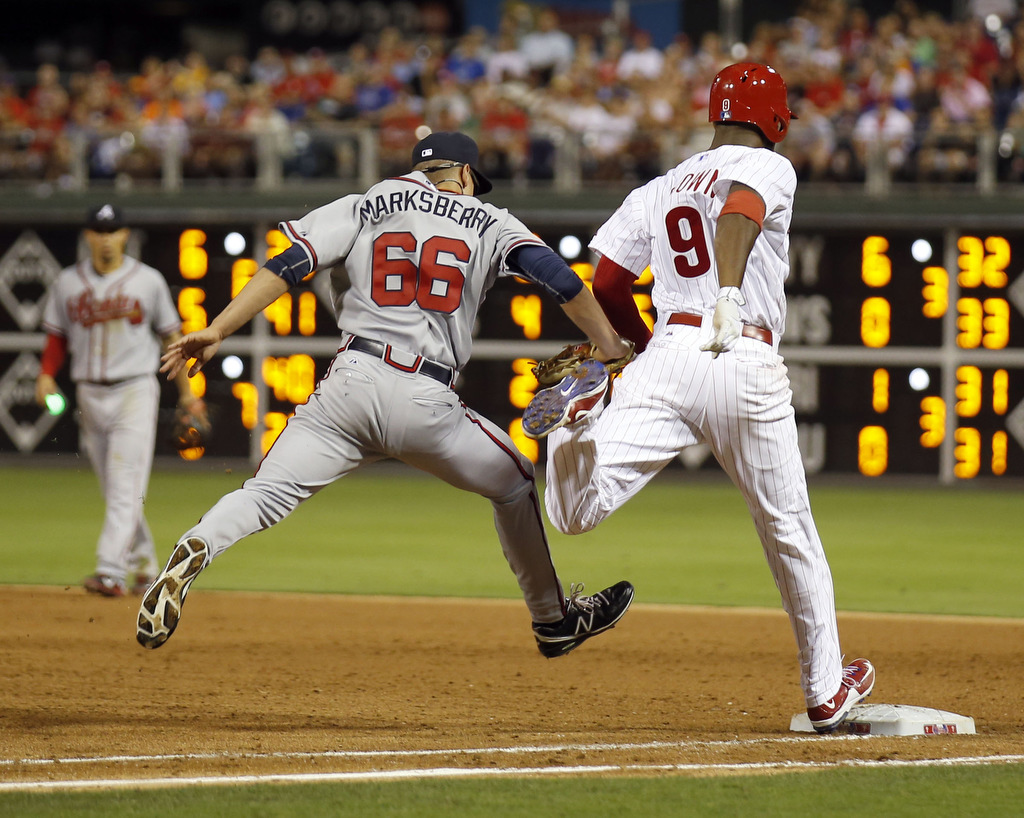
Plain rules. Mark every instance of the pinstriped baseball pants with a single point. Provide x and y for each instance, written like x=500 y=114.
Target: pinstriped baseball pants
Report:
x=674 y=396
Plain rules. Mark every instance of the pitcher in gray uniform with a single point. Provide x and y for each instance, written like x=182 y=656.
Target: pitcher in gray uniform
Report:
x=421 y=251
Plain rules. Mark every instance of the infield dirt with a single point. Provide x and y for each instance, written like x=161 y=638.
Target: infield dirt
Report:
x=279 y=683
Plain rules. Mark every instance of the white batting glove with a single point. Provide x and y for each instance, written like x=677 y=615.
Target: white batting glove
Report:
x=726 y=321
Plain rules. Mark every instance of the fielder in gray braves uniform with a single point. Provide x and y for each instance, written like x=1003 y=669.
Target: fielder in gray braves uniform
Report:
x=114 y=314
x=714 y=231
x=421 y=252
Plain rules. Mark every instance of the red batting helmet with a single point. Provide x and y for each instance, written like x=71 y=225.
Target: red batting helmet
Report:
x=753 y=93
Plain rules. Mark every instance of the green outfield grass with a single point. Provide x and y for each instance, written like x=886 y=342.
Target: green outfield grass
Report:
x=955 y=550
x=938 y=793
x=685 y=539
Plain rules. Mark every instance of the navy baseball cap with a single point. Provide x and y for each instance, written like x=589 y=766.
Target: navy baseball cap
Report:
x=105 y=219
x=455 y=147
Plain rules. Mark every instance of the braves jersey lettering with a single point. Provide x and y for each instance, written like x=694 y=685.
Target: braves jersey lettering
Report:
x=113 y=323
x=87 y=310
x=426 y=201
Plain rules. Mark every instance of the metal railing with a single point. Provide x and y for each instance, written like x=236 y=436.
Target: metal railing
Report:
x=264 y=162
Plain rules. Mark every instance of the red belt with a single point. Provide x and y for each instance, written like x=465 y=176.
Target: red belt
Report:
x=749 y=330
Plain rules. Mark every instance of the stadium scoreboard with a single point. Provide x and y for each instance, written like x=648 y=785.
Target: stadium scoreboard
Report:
x=905 y=346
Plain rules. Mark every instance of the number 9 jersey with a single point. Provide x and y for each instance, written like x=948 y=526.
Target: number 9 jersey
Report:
x=426 y=256
x=670 y=224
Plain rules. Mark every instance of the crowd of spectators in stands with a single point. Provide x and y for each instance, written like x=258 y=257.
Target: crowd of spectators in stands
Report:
x=921 y=87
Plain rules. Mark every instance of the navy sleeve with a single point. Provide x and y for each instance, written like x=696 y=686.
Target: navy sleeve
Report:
x=543 y=266
x=292 y=265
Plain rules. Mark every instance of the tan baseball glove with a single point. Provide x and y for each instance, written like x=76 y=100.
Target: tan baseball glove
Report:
x=552 y=370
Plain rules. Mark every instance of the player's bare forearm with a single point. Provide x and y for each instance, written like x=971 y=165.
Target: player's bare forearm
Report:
x=734 y=239
x=262 y=290
x=45 y=385
x=259 y=293
x=584 y=311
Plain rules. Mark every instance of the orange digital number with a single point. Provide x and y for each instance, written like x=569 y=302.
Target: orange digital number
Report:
x=996 y=323
x=193 y=316
x=277 y=243
x=248 y=396
x=526 y=313
x=933 y=421
x=529 y=447
x=193 y=261
x=872 y=451
x=875 y=265
x=241 y=271
x=968 y=391
x=983 y=262
x=935 y=291
x=880 y=390
x=279 y=314
x=307 y=313
x=875 y=316
x=967 y=453
x=523 y=385
x=999 y=446
x=274 y=423
x=292 y=379
x=1000 y=391
x=968 y=323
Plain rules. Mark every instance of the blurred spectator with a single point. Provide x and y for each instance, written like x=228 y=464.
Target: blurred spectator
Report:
x=888 y=130
x=641 y=58
x=504 y=139
x=467 y=62
x=548 y=50
x=947 y=151
x=506 y=63
x=965 y=99
x=811 y=143
x=268 y=68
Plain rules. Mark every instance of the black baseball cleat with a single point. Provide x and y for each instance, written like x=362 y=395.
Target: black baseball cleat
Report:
x=160 y=611
x=585 y=616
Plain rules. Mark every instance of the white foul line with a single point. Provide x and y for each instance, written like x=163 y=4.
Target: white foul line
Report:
x=454 y=751
x=488 y=772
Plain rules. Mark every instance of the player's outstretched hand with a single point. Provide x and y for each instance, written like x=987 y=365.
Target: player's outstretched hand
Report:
x=201 y=346
x=726 y=321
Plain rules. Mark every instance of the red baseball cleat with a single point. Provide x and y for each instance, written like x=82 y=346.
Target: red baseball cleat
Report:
x=858 y=682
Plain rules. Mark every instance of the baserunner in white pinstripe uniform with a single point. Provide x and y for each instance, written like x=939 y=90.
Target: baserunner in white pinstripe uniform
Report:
x=714 y=231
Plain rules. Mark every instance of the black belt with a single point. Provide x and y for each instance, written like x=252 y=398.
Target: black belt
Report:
x=423 y=366
x=749 y=330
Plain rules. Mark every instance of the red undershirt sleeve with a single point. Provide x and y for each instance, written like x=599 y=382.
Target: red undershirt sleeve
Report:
x=54 y=353
x=613 y=289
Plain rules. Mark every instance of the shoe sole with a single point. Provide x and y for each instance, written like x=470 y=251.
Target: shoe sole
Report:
x=160 y=611
x=550 y=409
x=554 y=648
x=832 y=726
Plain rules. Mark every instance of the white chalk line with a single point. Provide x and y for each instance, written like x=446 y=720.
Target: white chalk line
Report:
x=471 y=772
x=491 y=772
x=453 y=751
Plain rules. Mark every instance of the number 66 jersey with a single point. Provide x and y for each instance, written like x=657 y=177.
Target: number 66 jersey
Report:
x=670 y=223
x=427 y=256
